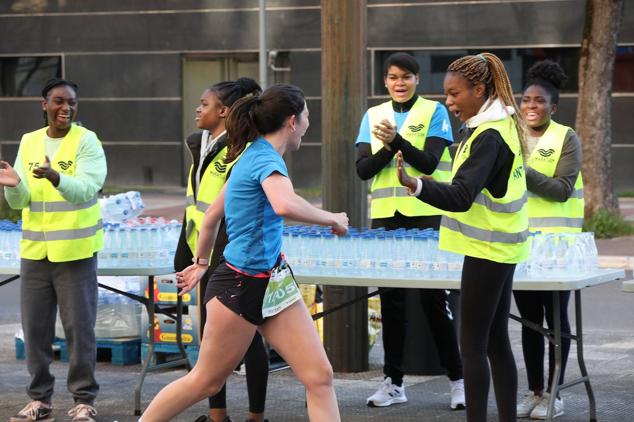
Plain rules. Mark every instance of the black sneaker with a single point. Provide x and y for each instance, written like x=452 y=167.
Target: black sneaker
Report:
x=34 y=411
x=251 y=420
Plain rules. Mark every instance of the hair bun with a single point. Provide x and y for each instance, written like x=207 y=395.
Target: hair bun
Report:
x=249 y=86
x=550 y=71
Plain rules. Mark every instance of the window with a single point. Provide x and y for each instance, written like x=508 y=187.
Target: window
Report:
x=433 y=65
x=25 y=76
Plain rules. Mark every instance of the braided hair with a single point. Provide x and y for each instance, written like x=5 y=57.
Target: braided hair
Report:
x=548 y=75
x=488 y=69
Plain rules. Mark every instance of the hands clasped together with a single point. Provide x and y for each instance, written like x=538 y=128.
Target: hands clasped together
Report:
x=385 y=132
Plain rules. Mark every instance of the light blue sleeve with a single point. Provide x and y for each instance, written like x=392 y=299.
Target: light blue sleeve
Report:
x=364 y=131
x=263 y=168
x=440 y=125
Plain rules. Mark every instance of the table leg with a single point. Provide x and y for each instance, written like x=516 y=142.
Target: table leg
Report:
x=179 y=332
x=556 y=342
x=9 y=280
x=150 y=352
x=582 y=364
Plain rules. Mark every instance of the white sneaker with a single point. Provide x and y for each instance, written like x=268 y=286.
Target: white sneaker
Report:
x=34 y=411
x=528 y=403
x=457 y=394
x=542 y=408
x=387 y=394
x=83 y=413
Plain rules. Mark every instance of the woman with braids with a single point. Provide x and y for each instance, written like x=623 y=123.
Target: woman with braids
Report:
x=486 y=220
x=255 y=199
x=207 y=175
x=555 y=204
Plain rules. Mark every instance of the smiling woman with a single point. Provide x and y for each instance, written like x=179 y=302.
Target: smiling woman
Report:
x=59 y=106
x=58 y=248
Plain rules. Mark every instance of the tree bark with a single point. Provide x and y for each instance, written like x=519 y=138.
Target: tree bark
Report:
x=594 y=120
x=344 y=81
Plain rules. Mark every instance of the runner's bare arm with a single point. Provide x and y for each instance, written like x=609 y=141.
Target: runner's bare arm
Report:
x=286 y=203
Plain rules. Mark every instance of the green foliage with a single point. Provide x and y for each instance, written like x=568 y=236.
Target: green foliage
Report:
x=626 y=194
x=8 y=213
x=606 y=224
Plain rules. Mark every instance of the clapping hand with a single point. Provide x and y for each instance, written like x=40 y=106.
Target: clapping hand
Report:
x=8 y=175
x=45 y=171
x=385 y=132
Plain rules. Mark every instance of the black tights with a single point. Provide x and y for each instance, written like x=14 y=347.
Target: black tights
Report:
x=256 y=362
x=533 y=306
x=486 y=289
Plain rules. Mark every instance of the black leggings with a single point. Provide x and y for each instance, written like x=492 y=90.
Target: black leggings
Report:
x=533 y=306
x=485 y=303
x=256 y=362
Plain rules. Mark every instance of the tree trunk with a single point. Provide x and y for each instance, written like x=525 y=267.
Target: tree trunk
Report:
x=344 y=84
x=594 y=120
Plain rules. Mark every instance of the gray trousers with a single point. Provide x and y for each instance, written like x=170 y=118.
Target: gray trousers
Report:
x=73 y=286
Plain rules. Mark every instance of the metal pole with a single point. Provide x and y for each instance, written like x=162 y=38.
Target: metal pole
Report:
x=263 y=57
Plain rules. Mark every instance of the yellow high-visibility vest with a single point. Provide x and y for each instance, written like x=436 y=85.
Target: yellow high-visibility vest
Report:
x=546 y=215
x=211 y=182
x=388 y=196
x=52 y=227
x=495 y=229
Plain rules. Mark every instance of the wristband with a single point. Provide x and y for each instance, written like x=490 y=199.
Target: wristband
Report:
x=200 y=261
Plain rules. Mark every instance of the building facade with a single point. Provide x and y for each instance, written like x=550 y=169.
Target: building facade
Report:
x=142 y=64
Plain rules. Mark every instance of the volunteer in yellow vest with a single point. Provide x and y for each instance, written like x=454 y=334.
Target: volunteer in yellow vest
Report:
x=420 y=129
x=555 y=204
x=207 y=176
x=486 y=220
x=58 y=171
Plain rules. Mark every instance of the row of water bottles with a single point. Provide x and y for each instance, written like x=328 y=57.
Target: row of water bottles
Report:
x=10 y=235
x=121 y=207
x=559 y=255
x=414 y=253
x=401 y=253
x=142 y=242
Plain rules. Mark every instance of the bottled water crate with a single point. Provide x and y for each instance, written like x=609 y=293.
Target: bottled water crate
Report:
x=166 y=293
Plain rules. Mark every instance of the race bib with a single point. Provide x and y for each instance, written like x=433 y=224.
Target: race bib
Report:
x=281 y=292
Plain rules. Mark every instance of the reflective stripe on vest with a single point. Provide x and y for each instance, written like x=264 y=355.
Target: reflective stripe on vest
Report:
x=52 y=227
x=493 y=228
x=387 y=192
x=62 y=234
x=61 y=206
x=211 y=183
x=546 y=215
